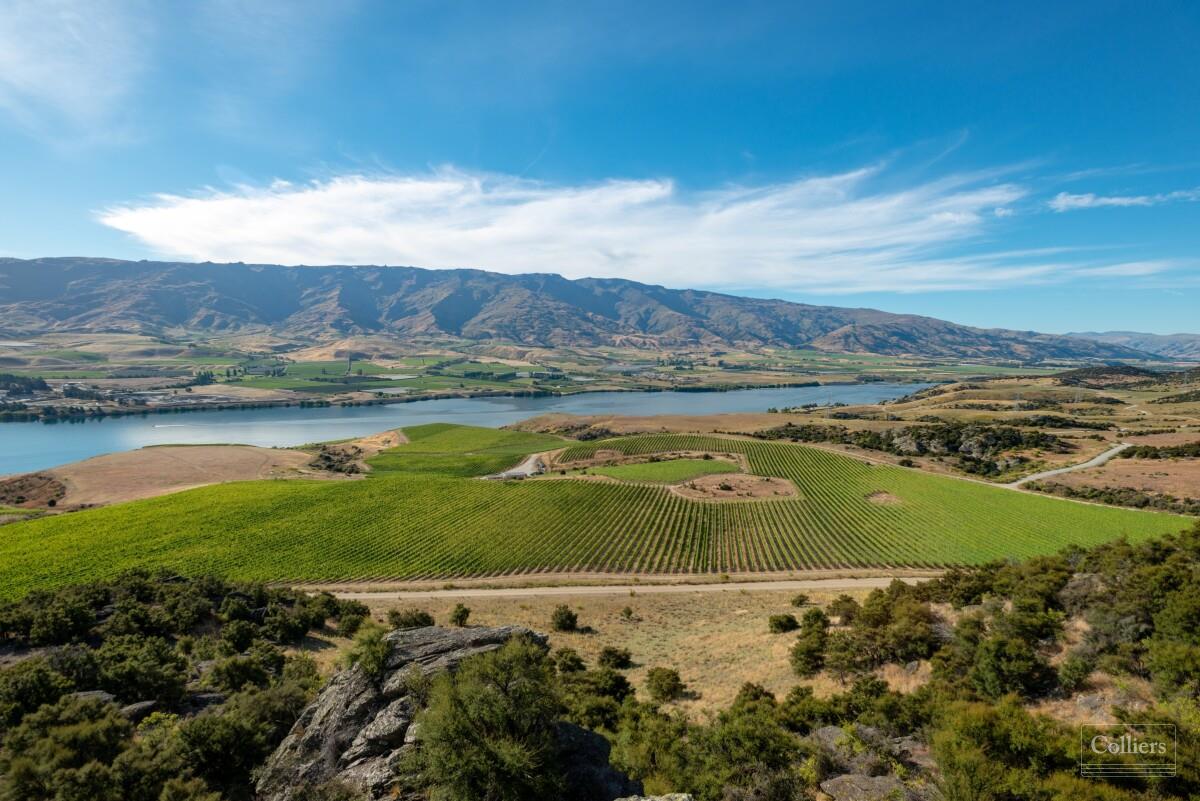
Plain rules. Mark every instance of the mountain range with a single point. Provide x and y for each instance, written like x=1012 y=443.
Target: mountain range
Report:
x=315 y=303
x=1171 y=346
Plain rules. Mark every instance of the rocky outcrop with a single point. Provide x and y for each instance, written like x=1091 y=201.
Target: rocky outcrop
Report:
x=866 y=763
x=359 y=729
x=359 y=726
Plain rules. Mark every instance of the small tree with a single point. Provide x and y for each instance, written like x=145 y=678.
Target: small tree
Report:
x=567 y=660
x=409 y=618
x=779 y=624
x=664 y=684
x=488 y=732
x=349 y=624
x=808 y=654
x=615 y=658
x=564 y=619
x=459 y=615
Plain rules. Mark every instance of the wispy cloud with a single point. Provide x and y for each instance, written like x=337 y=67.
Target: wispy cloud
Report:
x=68 y=64
x=833 y=233
x=1066 y=201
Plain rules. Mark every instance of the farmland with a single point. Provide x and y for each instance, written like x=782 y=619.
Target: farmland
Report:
x=421 y=515
x=667 y=471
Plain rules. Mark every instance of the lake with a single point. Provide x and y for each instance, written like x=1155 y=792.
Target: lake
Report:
x=36 y=446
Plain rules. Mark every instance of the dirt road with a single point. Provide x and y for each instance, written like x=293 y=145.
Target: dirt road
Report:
x=1095 y=461
x=790 y=585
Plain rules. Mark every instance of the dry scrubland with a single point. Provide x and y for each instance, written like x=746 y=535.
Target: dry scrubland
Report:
x=716 y=640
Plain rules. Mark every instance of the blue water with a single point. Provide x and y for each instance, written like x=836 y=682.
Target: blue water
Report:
x=36 y=446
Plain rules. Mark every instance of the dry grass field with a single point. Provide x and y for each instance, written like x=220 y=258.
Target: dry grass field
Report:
x=716 y=640
x=1177 y=477
x=148 y=472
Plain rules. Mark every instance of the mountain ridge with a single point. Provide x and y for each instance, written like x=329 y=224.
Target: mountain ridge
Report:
x=542 y=309
x=1172 y=346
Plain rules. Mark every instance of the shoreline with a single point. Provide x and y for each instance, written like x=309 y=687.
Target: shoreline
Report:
x=308 y=403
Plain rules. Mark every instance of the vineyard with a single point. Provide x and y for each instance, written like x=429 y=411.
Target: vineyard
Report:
x=667 y=471
x=419 y=516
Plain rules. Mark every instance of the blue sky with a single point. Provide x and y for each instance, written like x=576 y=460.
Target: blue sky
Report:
x=1026 y=165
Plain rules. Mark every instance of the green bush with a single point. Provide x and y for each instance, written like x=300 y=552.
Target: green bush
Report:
x=664 y=684
x=1073 y=672
x=370 y=649
x=799 y=600
x=781 y=624
x=489 y=733
x=459 y=615
x=564 y=619
x=567 y=660
x=615 y=658
x=348 y=625
x=409 y=618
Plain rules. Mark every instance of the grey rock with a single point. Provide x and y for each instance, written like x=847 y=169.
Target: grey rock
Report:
x=588 y=774
x=94 y=695
x=358 y=729
x=138 y=710
x=668 y=797
x=198 y=702
x=851 y=751
x=856 y=787
x=913 y=752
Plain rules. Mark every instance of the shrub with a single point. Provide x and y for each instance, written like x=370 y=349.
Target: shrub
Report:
x=459 y=615
x=564 y=619
x=615 y=658
x=844 y=608
x=844 y=655
x=489 y=729
x=568 y=661
x=1005 y=665
x=409 y=618
x=780 y=624
x=26 y=686
x=238 y=634
x=348 y=625
x=370 y=649
x=236 y=672
x=664 y=684
x=1073 y=672
x=799 y=600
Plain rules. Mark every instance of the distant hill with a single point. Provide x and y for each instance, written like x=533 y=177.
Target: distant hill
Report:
x=86 y=294
x=1171 y=346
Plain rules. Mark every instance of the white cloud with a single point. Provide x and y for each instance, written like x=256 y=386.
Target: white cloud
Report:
x=831 y=233
x=1066 y=201
x=68 y=62
x=1131 y=269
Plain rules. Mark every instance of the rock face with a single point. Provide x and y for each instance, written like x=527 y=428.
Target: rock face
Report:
x=359 y=728
x=867 y=760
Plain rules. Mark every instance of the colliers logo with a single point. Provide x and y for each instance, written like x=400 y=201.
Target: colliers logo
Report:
x=1120 y=749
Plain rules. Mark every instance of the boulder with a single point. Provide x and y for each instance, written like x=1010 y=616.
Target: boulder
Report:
x=589 y=776
x=856 y=787
x=853 y=750
x=138 y=710
x=359 y=729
